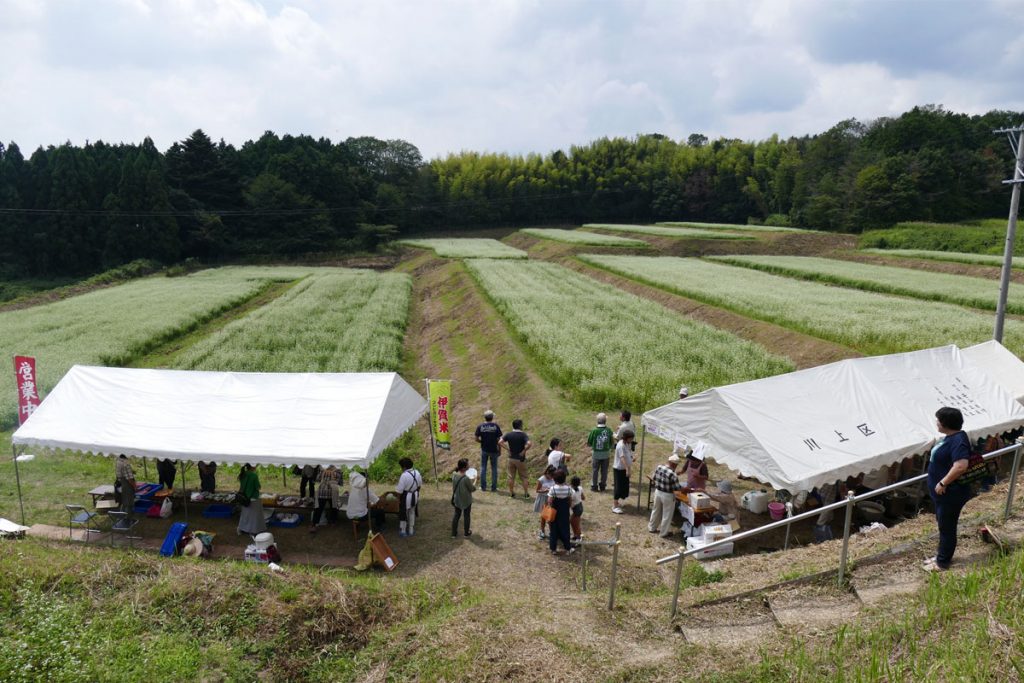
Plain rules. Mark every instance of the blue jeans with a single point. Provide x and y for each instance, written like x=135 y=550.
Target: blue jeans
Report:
x=493 y=457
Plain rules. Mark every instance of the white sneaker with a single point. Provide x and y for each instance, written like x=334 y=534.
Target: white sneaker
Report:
x=617 y=510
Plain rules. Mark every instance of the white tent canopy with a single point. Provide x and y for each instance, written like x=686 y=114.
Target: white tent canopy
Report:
x=343 y=419
x=815 y=426
x=1004 y=367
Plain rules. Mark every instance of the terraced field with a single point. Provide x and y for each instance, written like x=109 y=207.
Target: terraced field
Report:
x=661 y=231
x=466 y=247
x=869 y=322
x=611 y=348
x=729 y=226
x=583 y=237
x=955 y=289
x=951 y=256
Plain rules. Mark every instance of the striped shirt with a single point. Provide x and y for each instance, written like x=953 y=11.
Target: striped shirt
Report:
x=665 y=480
x=560 y=491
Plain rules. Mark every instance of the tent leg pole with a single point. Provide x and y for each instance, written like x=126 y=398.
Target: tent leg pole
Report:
x=17 y=477
x=145 y=468
x=640 y=477
x=184 y=490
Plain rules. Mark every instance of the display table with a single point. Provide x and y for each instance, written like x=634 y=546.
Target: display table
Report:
x=101 y=491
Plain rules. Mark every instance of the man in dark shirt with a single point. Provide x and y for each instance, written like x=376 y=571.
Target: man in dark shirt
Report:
x=487 y=434
x=517 y=442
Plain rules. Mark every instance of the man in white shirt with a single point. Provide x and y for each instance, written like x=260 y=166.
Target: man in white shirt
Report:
x=408 y=489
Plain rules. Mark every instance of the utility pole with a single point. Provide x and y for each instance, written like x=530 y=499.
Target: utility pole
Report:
x=1016 y=139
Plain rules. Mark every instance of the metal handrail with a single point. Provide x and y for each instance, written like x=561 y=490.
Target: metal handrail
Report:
x=849 y=503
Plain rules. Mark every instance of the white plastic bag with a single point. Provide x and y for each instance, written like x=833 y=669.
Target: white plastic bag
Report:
x=166 y=508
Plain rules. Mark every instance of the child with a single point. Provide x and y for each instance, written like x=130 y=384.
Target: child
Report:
x=576 y=521
x=544 y=483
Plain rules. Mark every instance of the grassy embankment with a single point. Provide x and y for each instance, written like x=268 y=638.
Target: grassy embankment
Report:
x=985 y=236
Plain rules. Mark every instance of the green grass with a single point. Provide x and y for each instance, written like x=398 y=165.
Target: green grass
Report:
x=583 y=237
x=729 y=226
x=869 y=322
x=661 y=231
x=922 y=284
x=587 y=335
x=467 y=247
x=961 y=628
x=980 y=237
x=74 y=614
x=952 y=256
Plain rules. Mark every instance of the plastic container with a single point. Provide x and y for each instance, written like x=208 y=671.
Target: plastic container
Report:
x=278 y=522
x=174 y=534
x=263 y=540
x=142 y=506
x=777 y=510
x=895 y=504
x=869 y=511
x=755 y=501
x=219 y=512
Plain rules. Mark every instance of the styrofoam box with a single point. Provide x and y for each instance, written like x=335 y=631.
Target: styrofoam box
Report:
x=715 y=532
x=700 y=501
x=718 y=551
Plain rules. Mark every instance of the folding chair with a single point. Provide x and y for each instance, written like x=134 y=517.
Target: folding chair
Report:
x=79 y=516
x=121 y=523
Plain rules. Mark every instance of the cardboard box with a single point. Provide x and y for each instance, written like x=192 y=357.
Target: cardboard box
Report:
x=700 y=501
x=716 y=532
x=717 y=551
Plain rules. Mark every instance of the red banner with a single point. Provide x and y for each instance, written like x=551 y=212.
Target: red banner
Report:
x=28 y=394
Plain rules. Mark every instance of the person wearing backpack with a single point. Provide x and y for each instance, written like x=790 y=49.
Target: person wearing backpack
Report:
x=600 y=442
x=462 y=498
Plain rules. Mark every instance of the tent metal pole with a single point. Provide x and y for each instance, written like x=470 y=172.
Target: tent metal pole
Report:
x=17 y=477
x=184 y=489
x=284 y=478
x=145 y=468
x=640 y=475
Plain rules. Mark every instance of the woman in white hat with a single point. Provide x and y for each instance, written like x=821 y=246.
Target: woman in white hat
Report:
x=696 y=471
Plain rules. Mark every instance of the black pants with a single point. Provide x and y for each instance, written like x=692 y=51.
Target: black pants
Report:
x=207 y=482
x=559 y=529
x=459 y=512
x=302 y=486
x=947 y=513
x=332 y=513
x=621 y=485
x=599 y=474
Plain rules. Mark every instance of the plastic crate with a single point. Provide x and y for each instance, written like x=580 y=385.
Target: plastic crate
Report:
x=146 y=491
x=142 y=506
x=276 y=521
x=170 y=545
x=219 y=512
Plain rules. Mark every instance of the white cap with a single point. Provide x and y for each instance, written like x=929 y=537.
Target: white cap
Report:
x=488 y=413
x=684 y=391
x=673 y=458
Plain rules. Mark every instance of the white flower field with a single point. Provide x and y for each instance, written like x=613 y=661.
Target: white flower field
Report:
x=728 y=226
x=952 y=256
x=869 y=322
x=467 y=247
x=583 y=237
x=610 y=347
x=922 y=284
x=662 y=231
x=333 y=321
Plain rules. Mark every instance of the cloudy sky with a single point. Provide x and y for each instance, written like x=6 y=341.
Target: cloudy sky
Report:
x=494 y=75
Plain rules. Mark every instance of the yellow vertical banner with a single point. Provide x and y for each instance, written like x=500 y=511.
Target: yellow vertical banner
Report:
x=440 y=393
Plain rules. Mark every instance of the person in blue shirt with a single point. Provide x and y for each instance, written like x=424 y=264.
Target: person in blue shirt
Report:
x=949 y=460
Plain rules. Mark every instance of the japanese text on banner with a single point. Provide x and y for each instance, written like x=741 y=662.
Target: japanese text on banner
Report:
x=25 y=379
x=440 y=391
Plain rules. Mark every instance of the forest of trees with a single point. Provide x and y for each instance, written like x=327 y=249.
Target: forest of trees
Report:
x=74 y=210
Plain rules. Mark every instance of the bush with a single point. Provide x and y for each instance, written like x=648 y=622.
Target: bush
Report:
x=982 y=238
x=778 y=220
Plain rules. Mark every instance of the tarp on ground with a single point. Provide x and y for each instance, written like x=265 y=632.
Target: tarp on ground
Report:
x=1000 y=363
x=344 y=419
x=811 y=427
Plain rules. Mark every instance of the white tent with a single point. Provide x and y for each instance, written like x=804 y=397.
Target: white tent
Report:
x=1004 y=367
x=343 y=419
x=810 y=427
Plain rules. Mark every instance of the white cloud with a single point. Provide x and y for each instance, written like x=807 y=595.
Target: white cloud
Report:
x=502 y=75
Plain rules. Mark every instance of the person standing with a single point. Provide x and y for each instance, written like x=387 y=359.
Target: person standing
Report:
x=600 y=442
x=165 y=470
x=517 y=442
x=328 y=496
x=576 y=520
x=309 y=477
x=949 y=460
x=207 y=476
x=556 y=457
x=666 y=483
x=361 y=501
x=621 y=468
x=560 y=498
x=625 y=424
x=488 y=433
x=124 y=475
x=696 y=471
x=251 y=520
x=462 y=498
x=544 y=484
x=409 y=485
